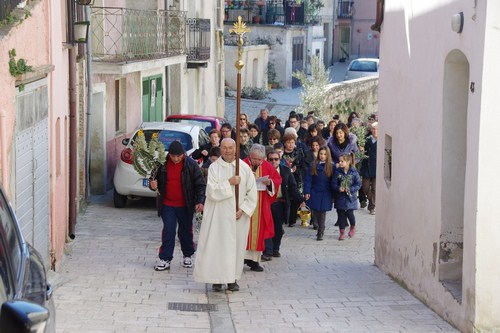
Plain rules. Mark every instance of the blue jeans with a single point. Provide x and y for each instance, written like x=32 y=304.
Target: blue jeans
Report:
x=170 y=216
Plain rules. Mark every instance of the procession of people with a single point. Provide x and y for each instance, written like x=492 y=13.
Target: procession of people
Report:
x=247 y=199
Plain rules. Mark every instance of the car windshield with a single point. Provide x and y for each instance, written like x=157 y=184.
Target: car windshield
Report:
x=207 y=125
x=169 y=136
x=364 y=66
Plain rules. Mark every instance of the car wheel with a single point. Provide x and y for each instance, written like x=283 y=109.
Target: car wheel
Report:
x=119 y=200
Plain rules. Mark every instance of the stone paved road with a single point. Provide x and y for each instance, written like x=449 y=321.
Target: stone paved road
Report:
x=107 y=284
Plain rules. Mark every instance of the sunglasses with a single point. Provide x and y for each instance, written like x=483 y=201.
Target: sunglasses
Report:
x=272 y=123
x=243 y=118
x=273 y=159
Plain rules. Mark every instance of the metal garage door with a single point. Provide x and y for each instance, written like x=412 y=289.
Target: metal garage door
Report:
x=32 y=166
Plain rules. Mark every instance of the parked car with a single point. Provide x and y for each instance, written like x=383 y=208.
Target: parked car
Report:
x=208 y=123
x=362 y=67
x=131 y=185
x=25 y=296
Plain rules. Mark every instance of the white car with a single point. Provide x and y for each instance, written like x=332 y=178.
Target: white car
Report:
x=362 y=67
x=128 y=183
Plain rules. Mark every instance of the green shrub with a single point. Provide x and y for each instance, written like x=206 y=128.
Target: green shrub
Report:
x=254 y=93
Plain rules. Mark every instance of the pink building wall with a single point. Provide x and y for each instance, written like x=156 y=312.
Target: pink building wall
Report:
x=39 y=39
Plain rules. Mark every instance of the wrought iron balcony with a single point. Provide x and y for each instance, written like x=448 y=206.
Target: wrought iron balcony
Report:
x=198 y=40
x=345 y=9
x=270 y=12
x=128 y=35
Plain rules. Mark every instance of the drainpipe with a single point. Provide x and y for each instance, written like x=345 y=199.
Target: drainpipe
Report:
x=72 y=123
x=89 y=103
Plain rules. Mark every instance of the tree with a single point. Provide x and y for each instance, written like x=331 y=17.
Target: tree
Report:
x=314 y=93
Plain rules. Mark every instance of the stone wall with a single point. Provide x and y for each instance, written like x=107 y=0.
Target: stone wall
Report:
x=361 y=92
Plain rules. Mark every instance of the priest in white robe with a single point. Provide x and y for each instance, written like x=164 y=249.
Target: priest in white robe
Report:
x=224 y=231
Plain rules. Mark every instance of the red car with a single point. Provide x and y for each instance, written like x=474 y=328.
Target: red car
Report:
x=206 y=122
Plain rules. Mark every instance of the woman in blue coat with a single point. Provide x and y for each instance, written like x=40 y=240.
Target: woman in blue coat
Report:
x=346 y=182
x=317 y=188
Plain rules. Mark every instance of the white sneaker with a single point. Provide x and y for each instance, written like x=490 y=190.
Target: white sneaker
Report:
x=187 y=262
x=162 y=265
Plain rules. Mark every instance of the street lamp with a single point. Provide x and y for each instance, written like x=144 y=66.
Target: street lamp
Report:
x=85 y=2
x=81 y=31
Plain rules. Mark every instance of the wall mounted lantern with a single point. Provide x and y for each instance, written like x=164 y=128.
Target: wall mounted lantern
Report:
x=85 y=2
x=81 y=31
x=457 y=22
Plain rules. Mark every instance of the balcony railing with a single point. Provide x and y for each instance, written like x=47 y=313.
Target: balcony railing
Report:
x=269 y=12
x=127 y=35
x=198 y=39
x=345 y=9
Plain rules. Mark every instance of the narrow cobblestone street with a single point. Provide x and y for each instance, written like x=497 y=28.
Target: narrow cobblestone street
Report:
x=107 y=283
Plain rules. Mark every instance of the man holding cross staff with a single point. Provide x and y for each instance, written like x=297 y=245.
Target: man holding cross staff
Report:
x=224 y=229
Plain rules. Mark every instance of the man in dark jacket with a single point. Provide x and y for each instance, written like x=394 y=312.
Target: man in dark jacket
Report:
x=280 y=209
x=369 y=167
x=181 y=188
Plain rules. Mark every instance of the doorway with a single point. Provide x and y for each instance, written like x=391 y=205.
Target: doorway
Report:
x=454 y=163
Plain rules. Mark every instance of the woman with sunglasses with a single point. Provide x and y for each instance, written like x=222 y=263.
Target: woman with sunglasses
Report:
x=243 y=120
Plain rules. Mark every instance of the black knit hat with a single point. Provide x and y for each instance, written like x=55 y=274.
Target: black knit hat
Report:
x=176 y=148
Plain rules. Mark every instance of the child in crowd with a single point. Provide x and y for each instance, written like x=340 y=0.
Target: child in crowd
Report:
x=245 y=143
x=346 y=182
x=317 y=189
x=213 y=155
x=255 y=135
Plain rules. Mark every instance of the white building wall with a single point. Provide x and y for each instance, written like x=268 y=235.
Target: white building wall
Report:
x=416 y=40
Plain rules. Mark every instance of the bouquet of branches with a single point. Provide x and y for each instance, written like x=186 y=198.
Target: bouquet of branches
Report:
x=148 y=157
x=345 y=183
x=360 y=132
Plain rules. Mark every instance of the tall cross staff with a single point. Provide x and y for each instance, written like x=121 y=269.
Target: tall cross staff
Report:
x=240 y=28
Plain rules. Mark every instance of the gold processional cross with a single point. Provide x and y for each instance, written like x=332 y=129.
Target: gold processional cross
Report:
x=240 y=28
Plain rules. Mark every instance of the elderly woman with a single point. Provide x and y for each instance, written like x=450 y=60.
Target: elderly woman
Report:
x=342 y=143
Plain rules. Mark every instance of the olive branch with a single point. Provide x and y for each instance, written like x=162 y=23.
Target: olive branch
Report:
x=147 y=158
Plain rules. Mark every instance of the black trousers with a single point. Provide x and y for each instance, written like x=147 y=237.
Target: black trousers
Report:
x=343 y=216
x=320 y=220
x=278 y=210
x=293 y=212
